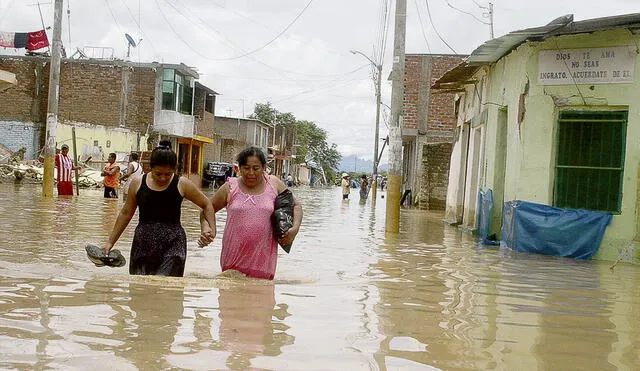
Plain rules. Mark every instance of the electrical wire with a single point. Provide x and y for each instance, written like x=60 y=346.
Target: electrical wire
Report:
x=436 y=30
x=467 y=13
x=113 y=16
x=273 y=39
x=137 y=22
x=268 y=28
x=480 y=6
x=424 y=34
x=255 y=59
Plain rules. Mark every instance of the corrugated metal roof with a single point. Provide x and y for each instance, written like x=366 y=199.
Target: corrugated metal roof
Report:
x=492 y=50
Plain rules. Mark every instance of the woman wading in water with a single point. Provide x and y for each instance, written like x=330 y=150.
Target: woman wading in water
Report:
x=248 y=244
x=160 y=243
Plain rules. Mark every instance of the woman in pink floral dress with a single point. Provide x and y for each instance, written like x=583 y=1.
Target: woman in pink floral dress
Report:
x=248 y=243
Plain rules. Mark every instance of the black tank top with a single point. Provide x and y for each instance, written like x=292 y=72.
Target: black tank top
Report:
x=159 y=206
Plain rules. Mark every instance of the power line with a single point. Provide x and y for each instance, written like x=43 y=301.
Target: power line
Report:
x=269 y=28
x=465 y=12
x=272 y=40
x=424 y=34
x=480 y=6
x=137 y=22
x=435 y=29
x=205 y=24
x=113 y=16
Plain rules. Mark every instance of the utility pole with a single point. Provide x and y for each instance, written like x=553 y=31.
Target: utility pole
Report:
x=392 y=221
x=52 y=104
x=378 y=82
x=374 y=183
x=491 y=19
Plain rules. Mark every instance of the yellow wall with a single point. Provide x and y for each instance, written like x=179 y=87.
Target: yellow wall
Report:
x=120 y=140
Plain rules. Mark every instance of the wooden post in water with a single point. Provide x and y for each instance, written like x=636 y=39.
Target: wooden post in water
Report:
x=75 y=159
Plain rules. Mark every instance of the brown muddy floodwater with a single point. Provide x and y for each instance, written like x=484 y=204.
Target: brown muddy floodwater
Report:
x=346 y=298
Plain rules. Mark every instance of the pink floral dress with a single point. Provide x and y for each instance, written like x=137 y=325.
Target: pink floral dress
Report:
x=248 y=243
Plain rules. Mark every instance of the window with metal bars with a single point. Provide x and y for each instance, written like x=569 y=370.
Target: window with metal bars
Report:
x=590 y=160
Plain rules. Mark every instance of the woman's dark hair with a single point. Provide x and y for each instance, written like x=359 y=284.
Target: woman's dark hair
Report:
x=251 y=151
x=162 y=155
x=134 y=156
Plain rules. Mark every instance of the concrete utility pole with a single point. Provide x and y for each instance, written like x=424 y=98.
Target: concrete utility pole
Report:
x=491 y=19
x=52 y=104
x=392 y=222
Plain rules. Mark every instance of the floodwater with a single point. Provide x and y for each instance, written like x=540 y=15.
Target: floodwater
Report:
x=347 y=297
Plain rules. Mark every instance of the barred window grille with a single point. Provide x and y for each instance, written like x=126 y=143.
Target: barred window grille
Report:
x=590 y=160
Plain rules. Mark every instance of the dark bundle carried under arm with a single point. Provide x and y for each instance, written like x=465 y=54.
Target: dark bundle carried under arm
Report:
x=282 y=217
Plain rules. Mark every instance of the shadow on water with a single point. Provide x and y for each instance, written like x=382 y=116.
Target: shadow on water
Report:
x=347 y=297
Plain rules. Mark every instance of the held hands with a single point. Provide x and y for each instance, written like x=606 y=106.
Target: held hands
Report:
x=207 y=234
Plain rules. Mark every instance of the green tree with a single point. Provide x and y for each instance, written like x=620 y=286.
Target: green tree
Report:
x=310 y=140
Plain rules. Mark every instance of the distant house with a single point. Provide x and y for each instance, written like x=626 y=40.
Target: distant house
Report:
x=237 y=133
x=115 y=106
x=550 y=115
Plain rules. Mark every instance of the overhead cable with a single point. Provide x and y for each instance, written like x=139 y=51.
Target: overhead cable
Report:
x=465 y=12
x=272 y=40
x=424 y=34
x=435 y=29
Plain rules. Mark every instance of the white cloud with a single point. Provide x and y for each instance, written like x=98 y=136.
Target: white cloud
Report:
x=306 y=71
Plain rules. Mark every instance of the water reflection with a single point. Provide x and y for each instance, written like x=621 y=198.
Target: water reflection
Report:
x=246 y=326
x=347 y=297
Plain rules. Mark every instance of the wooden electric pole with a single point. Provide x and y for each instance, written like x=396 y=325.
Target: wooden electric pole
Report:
x=392 y=221
x=52 y=104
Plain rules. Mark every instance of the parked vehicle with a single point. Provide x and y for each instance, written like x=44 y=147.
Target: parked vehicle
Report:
x=216 y=173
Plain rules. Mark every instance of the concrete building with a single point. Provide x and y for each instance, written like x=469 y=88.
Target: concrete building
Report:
x=115 y=106
x=550 y=115
x=428 y=129
x=237 y=133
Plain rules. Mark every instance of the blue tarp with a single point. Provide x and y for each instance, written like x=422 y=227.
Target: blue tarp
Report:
x=542 y=229
x=484 y=210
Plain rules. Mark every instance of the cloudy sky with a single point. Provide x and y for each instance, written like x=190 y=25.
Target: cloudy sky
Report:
x=293 y=53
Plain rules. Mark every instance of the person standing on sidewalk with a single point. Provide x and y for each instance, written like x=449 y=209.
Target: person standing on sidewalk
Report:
x=64 y=166
x=110 y=174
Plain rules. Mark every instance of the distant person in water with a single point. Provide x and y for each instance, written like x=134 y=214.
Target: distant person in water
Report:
x=133 y=169
x=160 y=243
x=248 y=243
x=364 y=188
x=111 y=175
x=64 y=166
x=346 y=186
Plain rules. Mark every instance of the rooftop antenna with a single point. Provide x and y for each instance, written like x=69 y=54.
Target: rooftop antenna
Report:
x=130 y=43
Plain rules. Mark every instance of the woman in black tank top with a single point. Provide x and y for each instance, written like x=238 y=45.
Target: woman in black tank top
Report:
x=159 y=244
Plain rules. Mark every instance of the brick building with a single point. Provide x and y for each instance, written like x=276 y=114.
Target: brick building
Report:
x=115 y=106
x=429 y=125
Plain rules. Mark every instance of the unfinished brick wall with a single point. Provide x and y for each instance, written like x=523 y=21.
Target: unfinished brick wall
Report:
x=435 y=162
x=111 y=94
x=441 y=120
x=230 y=150
x=429 y=120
